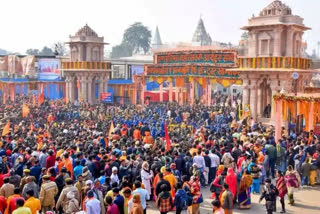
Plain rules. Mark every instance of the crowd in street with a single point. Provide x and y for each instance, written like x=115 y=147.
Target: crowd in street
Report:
x=81 y=158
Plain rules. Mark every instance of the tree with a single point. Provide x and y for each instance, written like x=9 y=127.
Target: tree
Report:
x=46 y=51
x=35 y=52
x=59 y=49
x=137 y=37
x=121 y=51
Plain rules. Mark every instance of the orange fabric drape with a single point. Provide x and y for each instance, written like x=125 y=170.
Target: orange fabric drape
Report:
x=291 y=109
x=179 y=82
x=6 y=129
x=284 y=110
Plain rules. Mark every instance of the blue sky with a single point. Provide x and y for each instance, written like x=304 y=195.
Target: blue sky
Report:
x=35 y=23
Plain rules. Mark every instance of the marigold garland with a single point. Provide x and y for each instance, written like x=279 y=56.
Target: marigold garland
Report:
x=294 y=98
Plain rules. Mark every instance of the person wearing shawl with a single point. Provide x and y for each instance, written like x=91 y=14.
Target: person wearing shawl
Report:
x=244 y=197
x=197 y=196
x=231 y=180
x=171 y=179
x=136 y=207
x=146 y=176
x=282 y=189
x=293 y=181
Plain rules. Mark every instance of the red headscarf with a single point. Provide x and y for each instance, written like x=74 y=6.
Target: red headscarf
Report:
x=231 y=180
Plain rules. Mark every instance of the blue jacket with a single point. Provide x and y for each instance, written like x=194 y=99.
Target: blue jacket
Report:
x=180 y=199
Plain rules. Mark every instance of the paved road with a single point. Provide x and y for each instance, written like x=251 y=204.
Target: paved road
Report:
x=307 y=202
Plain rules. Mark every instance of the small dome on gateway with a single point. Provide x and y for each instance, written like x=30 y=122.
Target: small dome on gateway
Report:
x=86 y=31
x=276 y=8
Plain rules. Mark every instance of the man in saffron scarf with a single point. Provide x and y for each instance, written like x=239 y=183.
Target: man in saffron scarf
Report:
x=244 y=197
x=171 y=179
x=282 y=189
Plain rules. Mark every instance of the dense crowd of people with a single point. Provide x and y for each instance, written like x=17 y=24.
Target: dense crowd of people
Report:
x=80 y=158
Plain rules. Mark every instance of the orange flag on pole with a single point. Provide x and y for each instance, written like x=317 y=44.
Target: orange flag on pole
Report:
x=25 y=110
x=41 y=96
x=111 y=129
x=6 y=129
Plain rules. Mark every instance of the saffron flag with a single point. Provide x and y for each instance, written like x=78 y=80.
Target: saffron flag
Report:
x=41 y=96
x=6 y=129
x=167 y=138
x=111 y=129
x=25 y=110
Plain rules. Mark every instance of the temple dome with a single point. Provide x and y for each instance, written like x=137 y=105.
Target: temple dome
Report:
x=276 y=8
x=86 y=31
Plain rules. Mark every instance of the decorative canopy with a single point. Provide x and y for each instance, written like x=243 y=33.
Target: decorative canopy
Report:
x=276 y=8
x=86 y=31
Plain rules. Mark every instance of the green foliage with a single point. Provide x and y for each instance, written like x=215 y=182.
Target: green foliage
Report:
x=136 y=39
x=121 y=51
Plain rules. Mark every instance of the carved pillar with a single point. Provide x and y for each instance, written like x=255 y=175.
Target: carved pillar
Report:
x=84 y=88
x=161 y=92
x=170 y=91
x=142 y=93
x=176 y=94
x=67 y=88
x=180 y=94
x=79 y=88
x=289 y=48
x=245 y=92
x=90 y=100
x=259 y=101
x=274 y=90
x=253 y=99
x=277 y=44
x=209 y=94
x=192 y=91
x=100 y=86
x=72 y=90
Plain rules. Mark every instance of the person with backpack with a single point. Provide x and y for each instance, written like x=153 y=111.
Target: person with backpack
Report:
x=217 y=184
x=164 y=201
x=270 y=194
x=181 y=200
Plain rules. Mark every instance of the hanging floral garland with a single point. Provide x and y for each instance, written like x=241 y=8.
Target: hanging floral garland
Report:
x=294 y=98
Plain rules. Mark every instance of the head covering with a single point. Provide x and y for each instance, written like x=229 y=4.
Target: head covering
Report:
x=88 y=183
x=145 y=165
x=163 y=169
x=114 y=169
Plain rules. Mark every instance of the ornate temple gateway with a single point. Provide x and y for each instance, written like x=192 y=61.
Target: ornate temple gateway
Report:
x=191 y=69
x=86 y=72
x=274 y=61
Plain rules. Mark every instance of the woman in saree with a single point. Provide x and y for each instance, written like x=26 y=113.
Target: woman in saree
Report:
x=293 y=181
x=244 y=197
x=282 y=189
x=197 y=196
x=231 y=180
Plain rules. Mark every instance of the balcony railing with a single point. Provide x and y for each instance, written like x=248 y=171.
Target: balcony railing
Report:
x=86 y=65
x=274 y=63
